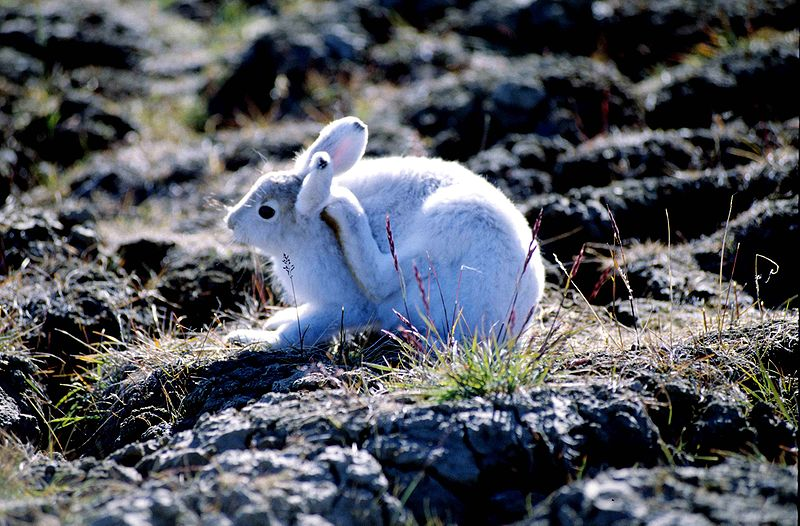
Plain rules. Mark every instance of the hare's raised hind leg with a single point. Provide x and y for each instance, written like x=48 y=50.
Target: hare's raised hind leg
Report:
x=372 y=269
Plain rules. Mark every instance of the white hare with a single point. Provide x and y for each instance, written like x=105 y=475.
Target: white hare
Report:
x=460 y=245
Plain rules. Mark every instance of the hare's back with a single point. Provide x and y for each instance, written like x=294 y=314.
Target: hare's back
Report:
x=402 y=179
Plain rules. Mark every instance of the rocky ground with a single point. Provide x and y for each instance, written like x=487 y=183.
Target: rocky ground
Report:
x=659 y=141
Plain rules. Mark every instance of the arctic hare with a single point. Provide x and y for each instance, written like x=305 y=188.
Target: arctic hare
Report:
x=459 y=246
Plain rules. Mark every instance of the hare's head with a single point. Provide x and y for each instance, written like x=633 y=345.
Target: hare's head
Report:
x=282 y=209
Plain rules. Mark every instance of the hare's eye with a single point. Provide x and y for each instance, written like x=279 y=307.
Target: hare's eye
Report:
x=266 y=211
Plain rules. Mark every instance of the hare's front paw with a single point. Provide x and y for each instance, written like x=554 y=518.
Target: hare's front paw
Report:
x=250 y=336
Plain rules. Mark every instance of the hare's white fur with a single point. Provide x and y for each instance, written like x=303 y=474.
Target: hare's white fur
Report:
x=467 y=242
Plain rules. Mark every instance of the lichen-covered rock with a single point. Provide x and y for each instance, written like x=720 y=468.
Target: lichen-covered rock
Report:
x=79 y=125
x=620 y=156
x=274 y=72
x=250 y=147
x=698 y=204
x=413 y=56
x=20 y=393
x=640 y=35
x=41 y=234
x=532 y=27
x=134 y=174
x=574 y=98
x=91 y=307
x=736 y=492
x=732 y=144
x=126 y=127
x=475 y=458
x=199 y=284
x=74 y=33
x=750 y=82
x=759 y=250
x=502 y=168
x=19 y=67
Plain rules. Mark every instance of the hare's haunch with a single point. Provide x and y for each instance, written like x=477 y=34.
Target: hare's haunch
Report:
x=454 y=234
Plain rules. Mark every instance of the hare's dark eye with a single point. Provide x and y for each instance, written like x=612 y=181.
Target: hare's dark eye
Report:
x=266 y=212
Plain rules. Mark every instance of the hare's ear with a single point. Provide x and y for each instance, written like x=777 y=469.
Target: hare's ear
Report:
x=316 y=187
x=344 y=140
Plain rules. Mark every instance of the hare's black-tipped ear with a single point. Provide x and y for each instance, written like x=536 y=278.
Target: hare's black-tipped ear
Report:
x=344 y=140
x=316 y=187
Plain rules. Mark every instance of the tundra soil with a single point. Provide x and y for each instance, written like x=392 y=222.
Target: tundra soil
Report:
x=658 y=141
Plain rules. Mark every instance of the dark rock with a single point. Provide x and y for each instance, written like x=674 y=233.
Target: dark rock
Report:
x=514 y=103
x=521 y=448
x=574 y=98
x=640 y=35
x=532 y=27
x=111 y=178
x=16 y=168
x=737 y=492
x=90 y=308
x=332 y=486
x=760 y=243
x=733 y=143
x=774 y=433
x=66 y=305
x=722 y=424
x=132 y=410
x=375 y=19
x=752 y=82
x=112 y=84
x=651 y=271
x=449 y=112
x=624 y=312
x=619 y=156
x=144 y=256
x=219 y=385
x=75 y=313
x=26 y=237
x=274 y=72
x=74 y=33
x=688 y=418
x=502 y=169
x=136 y=173
x=344 y=485
x=71 y=215
x=197 y=286
x=674 y=410
x=199 y=10
x=537 y=152
x=250 y=88
x=412 y=56
x=421 y=14
x=18 y=67
x=590 y=97
x=615 y=431
x=20 y=394
x=214 y=10
x=698 y=204
x=37 y=234
x=277 y=143
x=473 y=460
x=468 y=459
x=79 y=126
x=131 y=454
